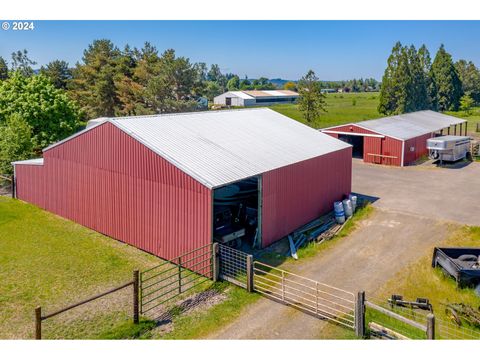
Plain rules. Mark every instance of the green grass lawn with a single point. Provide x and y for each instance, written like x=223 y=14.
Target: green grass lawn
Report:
x=341 y=109
x=52 y=262
x=473 y=119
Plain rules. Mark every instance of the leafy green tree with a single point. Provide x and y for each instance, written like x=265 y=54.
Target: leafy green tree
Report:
x=470 y=78
x=49 y=112
x=233 y=83
x=3 y=69
x=290 y=85
x=58 y=72
x=15 y=142
x=466 y=104
x=311 y=101
x=21 y=62
x=212 y=89
x=245 y=84
x=447 y=81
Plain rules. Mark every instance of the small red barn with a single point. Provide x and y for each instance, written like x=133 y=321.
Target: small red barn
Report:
x=161 y=183
x=396 y=140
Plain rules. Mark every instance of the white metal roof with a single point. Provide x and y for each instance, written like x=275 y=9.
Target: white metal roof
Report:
x=220 y=147
x=240 y=94
x=38 y=161
x=408 y=126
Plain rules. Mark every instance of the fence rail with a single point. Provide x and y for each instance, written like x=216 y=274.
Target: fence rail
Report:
x=39 y=317
x=313 y=297
x=171 y=278
x=7 y=189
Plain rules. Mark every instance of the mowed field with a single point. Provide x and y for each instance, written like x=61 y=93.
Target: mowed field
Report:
x=340 y=109
x=52 y=262
x=354 y=107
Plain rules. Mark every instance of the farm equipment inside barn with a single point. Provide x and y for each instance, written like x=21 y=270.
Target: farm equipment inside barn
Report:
x=236 y=213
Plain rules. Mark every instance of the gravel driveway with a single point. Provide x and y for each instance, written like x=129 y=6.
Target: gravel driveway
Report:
x=440 y=193
x=415 y=207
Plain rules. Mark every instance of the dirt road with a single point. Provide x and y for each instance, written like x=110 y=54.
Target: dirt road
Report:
x=382 y=245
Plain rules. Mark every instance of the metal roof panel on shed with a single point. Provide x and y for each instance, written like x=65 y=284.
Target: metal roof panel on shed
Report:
x=220 y=147
x=410 y=125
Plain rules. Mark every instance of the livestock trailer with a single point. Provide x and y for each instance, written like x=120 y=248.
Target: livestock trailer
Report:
x=168 y=184
x=448 y=148
x=396 y=140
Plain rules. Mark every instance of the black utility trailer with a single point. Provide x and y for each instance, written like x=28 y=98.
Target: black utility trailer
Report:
x=461 y=263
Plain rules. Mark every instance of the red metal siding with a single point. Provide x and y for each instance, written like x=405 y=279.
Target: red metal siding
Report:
x=111 y=183
x=373 y=145
x=419 y=147
x=296 y=194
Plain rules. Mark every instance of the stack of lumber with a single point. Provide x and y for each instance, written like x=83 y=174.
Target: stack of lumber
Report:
x=318 y=231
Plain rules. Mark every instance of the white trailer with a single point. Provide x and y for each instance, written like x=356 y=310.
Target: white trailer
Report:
x=448 y=148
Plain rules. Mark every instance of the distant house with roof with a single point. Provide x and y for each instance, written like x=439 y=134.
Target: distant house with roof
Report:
x=256 y=98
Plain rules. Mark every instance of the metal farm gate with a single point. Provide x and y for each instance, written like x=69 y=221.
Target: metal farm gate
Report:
x=310 y=296
x=174 y=277
x=234 y=265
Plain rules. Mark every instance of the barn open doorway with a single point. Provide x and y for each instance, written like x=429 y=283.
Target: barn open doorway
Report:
x=356 y=141
x=236 y=213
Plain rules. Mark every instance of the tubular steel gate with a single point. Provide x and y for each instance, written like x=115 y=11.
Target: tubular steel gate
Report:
x=234 y=265
x=174 y=277
x=315 y=298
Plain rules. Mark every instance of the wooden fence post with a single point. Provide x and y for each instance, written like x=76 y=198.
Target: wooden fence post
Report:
x=215 y=262
x=135 y=297
x=38 y=323
x=250 y=273
x=360 y=314
x=13 y=186
x=430 y=326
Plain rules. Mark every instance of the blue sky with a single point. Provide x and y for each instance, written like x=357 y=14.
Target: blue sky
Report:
x=287 y=49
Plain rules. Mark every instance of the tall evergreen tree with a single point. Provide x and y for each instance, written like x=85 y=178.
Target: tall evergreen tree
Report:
x=22 y=63
x=405 y=81
x=470 y=77
x=447 y=81
x=426 y=64
x=3 y=69
x=58 y=72
x=312 y=100
x=93 y=84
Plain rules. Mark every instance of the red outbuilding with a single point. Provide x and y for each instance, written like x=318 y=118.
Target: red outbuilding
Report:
x=396 y=140
x=168 y=184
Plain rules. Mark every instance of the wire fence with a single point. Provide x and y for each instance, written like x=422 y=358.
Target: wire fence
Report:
x=233 y=265
x=444 y=329
x=6 y=185
x=170 y=279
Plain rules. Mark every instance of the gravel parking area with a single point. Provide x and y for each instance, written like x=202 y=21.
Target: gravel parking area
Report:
x=451 y=194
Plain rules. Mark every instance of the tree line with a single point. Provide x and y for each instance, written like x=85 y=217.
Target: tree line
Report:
x=40 y=107
x=413 y=82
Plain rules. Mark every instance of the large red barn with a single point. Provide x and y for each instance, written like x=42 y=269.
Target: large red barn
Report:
x=396 y=140
x=154 y=181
